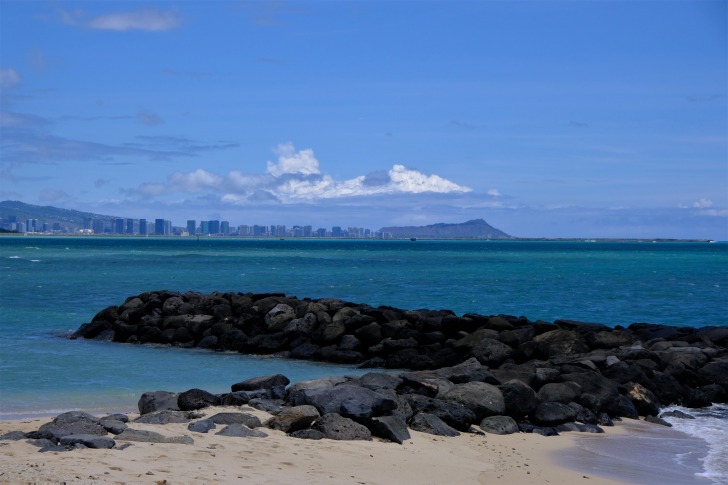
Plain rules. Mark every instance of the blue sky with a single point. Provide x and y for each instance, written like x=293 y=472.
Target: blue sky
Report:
x=547 y=119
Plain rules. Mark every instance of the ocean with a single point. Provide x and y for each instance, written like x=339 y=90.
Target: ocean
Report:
x=51 y=285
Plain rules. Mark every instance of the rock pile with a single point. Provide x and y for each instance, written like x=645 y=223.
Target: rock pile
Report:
x=492 y=365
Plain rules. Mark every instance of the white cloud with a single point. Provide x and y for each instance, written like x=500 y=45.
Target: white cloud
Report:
x=9 y=77
x=151 y=20
x=296 y=177
x=494 y=193
x=290 y=161
x=412 y=181
x=703 y=203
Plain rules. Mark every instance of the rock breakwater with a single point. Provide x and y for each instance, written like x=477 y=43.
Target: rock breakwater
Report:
x=461 y=369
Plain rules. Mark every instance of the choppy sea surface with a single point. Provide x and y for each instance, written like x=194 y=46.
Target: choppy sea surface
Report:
x=51 y=285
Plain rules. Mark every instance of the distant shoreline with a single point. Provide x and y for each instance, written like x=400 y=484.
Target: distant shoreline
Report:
x=309 y=238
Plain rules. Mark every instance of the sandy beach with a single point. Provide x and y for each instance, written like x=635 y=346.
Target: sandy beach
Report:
x=280 y=459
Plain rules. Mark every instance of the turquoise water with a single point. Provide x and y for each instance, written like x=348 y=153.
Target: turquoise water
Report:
x=51 y=285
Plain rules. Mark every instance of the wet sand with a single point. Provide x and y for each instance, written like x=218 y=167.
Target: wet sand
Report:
x=639 y=452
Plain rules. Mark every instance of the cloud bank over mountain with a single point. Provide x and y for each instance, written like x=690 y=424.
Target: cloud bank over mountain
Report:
x=296 y=176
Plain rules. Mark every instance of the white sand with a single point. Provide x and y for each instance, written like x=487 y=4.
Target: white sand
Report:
x=280 y=459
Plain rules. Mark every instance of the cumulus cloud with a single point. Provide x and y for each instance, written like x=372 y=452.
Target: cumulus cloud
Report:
x=150 y=20
x=9 y=77
x=296 y=177
x=703 y=203
x=291 y=161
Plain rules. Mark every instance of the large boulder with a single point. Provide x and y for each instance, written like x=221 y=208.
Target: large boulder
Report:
x=561 y=342
x=392 y=428
x=88 y=440
x=716 y=372
x=293 y=418
x=451 y=412
x=70 y=423
x=603 y=390
x=563 y=392
x=152 y=437
x=380 y=380
x=467 y=371
x=481 y=398
x=196 y=399
x=337 y=427
x=431 y=424
x=236 y=418
x=240 y=431
x=279 y=317
x=158 y=401
x=348 y=400
x=482 y=345
x=499 y=425
x=262 y=382
x=643 y=399
x=520 y=399
x=165 y=417
x=551 y=414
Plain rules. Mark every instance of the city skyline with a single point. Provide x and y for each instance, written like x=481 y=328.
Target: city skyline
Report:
x=164 y=227
x=547 y=118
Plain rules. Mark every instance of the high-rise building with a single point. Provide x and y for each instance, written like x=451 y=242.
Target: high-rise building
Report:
x=336 y=231
x=143 y=227
x=307 y=231
x=130 y=226
x=225 y=228
x=99 y=227
x=214 y=227
x=191 y=227
x=159 y=227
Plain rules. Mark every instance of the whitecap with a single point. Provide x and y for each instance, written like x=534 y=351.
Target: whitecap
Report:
x=711 y=425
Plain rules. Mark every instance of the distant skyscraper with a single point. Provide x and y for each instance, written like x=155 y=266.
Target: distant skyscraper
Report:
x=99 y=226
x=225 y=228
x=336 y=231
x=159 y=227
x=130 y=226
x=143 y=227
x=214 y=227
x=192 y=227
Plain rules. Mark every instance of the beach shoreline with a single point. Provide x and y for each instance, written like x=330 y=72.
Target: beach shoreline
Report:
x=278 y=458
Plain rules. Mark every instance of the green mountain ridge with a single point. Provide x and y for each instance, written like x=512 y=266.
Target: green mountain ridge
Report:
x=475 y=229
x=70 y=219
